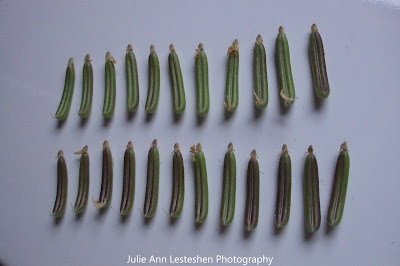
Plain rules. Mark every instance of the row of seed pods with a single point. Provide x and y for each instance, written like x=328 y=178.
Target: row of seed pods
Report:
x=260 y=89
x=312 y=212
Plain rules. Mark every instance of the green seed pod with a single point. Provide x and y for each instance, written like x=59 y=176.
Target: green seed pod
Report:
x=175 y=74
x=339 y=189
x=260 y=74
x=62 y=186
x=87 y=88
x=106 y=179
x=285 y=78
x=318 y=66
x=202 y=90
x=154 y=82
x=84 y=180
x=232 y=78
x=229 y=187
x=201 y=184
x=283 y=198
x=153 y=176
x=110 y=87
x=312 y=209
x=253 y=193
x=128 y=186
x=66 y=99
x=178 y=183
x=132 y=80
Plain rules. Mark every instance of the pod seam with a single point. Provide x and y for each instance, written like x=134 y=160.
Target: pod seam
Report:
x=153 y=92
x=229 y=187
x=66 y=98
x=128 y=186
x=106 y=179
x=178 y=183
x=175 y=74
x=232 y=78
x=260 y=74
x=201 y=183
x=132 y=80
x=110 y=87
x=62 y=186
x=253 y=193
x=153 y=172
x=87 y=88
x=202 y=89
x=283 y=198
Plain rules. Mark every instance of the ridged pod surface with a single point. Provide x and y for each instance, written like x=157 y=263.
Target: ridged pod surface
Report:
x=110 y=86
x=178 y=183
x=317 y=62
x=66 y=98
x=260 y=74
x=62 y=186
x=84 y=181
x=106 y=179
x=153 y=175
x=232 y=78
x=87 y=88
x=253 y=193
x=132 y=80
x=153 y=91
x=339 y=189
x=312 y=209
x=175 y=74
x=128 y=186
x=202 y=90
x=284 y=69
x=201 y=183
x=283 y=198
x=229 y=187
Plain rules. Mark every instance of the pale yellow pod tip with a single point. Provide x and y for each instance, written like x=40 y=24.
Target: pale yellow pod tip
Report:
x=110 y=58
x=259 y=39
x=176 y=147
x=200 y=48
x=84 y=150
x=280 y=30
x=130 y=145
x=70 y=61
x=314 y=28
x=199 y=147
x=152 y=50
x=106 y=145
x=171 y=48
x=253 y=154
x=98 y=204
x=284 y=148
x=193 y=152
x=87 y=58
x=154 y=143
x=60 y=154
x=343 y=147
x=234 y=47
x=230 y=146
x=129 y=48
x=310 y=149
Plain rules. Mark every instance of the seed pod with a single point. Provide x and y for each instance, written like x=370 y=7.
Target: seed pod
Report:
x=87 y=88
x=153 y=174
x=62 y=186
x=339 y=189
x=282 y=210
x=84 y=180
x=317 y=62
x=229 y=187
x=260 y=74
x=201 y=184
x=232 y=78
x=178 y=183
x=312 y=210
x=202 y=91
x=106 y=179
x=253 y=193
x=154 y=82
x=66 y=99
x=132 y=80
x=175 y=74
x=285 y=78
x=128 y=186
x=110 y=87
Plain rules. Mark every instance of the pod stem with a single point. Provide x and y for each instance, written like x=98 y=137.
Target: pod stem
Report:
x=60 y=154
x=106 y=145
x=343 y=147
x=110 y=58
x=152 y=50
x=130 y=145
x=129 y=48
x=176 y=147
x=87 y=58
x=314 y=28
x=200 y=48
x=83 y=151
x=234 y=48
x=154 y=143
x=281 y=30
x=284 y=148
x=171 y=48
x=259 y=39
x=70 y=61
x=253 y=155
x=230 y=146
x=310 y=149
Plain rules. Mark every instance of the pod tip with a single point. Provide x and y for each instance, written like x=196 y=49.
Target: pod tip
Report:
x=193 y=149
x=60 y=154
x=230 y=146
x=280 y=29
x=314 y=28
x=171 y=48
x=234 y=47
x=284 y=148
x=199 y=147
x=259 y=39
x=129 y=48
x=343 y=147
x=176 y=147
x=106 y=145
x=253 y=154
x=130 y=145
x=154 y=143
x=87 y=58
x=310 y=149
x=235 y=42
x=84 y=150
x=110 y=58
x=152 y=50
x=70 y=61
x=200 y=47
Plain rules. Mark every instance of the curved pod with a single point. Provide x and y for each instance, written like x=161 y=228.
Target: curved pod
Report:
x=312 y=209
x=153 y=92
x=339 y=189
x=201 y=183
x=260 y=74
x=232 y=78
x=229 y=187
x=153 y=174
x=106 y=178
x=178 y=183
x=283 y=198
x=128 y=186
x=62 y=186
x=284 y=69
x=202 y=90
x=87 y=88
x=66 y=98
x=175 y=74
x=253 y=193
x=317 y=62
x=132 y=80
x=84 y=180
x=110 y=86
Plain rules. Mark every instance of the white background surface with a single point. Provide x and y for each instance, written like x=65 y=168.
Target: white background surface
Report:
x=361 y=42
